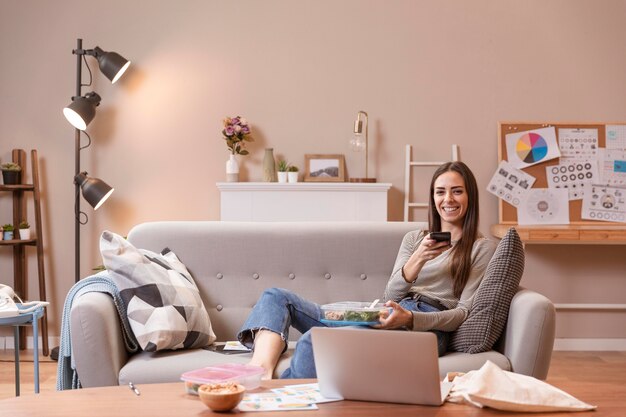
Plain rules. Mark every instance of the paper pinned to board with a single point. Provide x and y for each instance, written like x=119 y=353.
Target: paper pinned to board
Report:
x=510 y=184
x=532 y=147
x=544 y=206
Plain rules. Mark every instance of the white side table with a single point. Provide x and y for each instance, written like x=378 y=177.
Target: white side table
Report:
x=303 y=201
x=25 y=319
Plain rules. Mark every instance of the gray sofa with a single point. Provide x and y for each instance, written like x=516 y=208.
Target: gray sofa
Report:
x=233 y=263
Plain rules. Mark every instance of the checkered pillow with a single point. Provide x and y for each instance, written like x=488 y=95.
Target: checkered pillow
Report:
x=164 y=307
x=490 y=309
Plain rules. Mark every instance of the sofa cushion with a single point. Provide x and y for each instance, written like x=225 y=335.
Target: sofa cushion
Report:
x=163 y=303
x=490 y=308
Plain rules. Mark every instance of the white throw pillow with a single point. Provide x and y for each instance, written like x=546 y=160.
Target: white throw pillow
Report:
x=163 y=303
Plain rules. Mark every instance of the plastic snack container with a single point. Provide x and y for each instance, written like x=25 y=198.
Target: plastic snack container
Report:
x=247 y=375
x=351 y=313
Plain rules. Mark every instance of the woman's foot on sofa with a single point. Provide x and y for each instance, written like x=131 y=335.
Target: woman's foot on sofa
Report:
x=268 y=347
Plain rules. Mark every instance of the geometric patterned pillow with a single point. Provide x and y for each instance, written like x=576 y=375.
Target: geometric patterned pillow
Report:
x=163 y=303
x=490 y=309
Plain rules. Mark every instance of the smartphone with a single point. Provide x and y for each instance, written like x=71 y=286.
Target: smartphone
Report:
x=441 y=236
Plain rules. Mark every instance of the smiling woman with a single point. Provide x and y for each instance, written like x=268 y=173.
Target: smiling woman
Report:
x=430 y=289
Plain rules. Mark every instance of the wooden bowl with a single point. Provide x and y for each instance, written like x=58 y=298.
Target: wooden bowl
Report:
x=221 y=397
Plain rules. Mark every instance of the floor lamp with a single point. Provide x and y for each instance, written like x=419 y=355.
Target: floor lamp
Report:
x=80 y=113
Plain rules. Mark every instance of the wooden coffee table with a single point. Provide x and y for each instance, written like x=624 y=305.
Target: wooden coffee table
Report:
x=169 y=400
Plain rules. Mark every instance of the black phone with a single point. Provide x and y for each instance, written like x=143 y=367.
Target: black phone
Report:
x=441 y=236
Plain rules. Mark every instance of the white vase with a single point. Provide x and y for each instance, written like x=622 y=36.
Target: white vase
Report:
x=24 y=234
x=292 y=176
x=232 y=169
x=282 y=176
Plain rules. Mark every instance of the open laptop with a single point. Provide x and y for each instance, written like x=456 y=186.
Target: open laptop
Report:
x=378 y=365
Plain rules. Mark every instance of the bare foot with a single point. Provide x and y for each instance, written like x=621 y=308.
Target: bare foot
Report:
x=268 y=347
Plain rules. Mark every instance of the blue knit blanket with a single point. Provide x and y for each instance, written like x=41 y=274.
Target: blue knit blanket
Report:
x=67 y=377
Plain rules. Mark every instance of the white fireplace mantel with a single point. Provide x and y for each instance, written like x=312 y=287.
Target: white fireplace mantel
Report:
x=303 y=201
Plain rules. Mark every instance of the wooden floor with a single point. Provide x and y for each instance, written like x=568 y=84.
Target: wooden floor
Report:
x=607 y=367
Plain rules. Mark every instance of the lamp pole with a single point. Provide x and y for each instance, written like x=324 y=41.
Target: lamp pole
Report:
x=79 y=81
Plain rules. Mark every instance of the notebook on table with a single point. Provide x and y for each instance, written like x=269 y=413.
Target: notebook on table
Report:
x=378 y=365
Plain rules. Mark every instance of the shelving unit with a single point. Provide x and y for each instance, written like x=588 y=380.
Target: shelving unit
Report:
x=19 y=245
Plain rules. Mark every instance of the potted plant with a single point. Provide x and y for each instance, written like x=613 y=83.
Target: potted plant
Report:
x=283 y=166
x=24 y=229
x=7 y=232
x=11 y=173
x=292 y=173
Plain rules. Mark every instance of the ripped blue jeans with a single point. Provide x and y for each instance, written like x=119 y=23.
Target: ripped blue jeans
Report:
x=278 y=310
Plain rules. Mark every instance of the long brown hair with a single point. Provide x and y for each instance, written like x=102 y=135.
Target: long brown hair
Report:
x=461 y=262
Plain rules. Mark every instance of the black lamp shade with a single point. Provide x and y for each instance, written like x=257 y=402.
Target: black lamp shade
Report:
x=95 y=191
x=112 y=64
x=82 y=110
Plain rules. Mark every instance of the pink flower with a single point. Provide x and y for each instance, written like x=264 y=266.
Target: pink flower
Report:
x=235 y=131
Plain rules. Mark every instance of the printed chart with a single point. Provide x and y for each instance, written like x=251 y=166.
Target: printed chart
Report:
x=531 y=148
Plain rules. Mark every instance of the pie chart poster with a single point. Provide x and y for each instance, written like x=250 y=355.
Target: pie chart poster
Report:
x=532 y=147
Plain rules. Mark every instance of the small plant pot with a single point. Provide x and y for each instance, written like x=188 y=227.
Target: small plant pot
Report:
x=25 y=234
x=292 y=176
x=282 y=177
x=7 y=235
x=12 y=177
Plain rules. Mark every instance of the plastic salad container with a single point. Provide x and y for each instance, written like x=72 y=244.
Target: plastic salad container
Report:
x=351 y=313
x=247 y=375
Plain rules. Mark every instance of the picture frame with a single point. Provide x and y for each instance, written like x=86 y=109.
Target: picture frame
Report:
x=324 y=168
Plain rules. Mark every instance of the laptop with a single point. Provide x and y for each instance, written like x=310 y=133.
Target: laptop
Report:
x=392 y=366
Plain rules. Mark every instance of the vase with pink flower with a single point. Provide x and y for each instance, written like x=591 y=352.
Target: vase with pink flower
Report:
x=236 y=133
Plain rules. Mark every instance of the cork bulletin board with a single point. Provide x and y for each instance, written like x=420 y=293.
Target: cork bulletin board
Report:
x=508 y=212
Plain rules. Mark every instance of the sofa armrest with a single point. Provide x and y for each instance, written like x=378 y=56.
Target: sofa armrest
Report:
x=528 y=339
x=98 y=348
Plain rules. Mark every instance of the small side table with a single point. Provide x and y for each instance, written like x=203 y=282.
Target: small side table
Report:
x=25 y=319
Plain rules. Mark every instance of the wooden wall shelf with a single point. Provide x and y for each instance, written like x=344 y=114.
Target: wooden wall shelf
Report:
x=570 y=234
x=20 y=277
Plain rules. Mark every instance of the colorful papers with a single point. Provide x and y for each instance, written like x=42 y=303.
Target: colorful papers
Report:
x=532 y=147
x=289 y=397
x=270 y=401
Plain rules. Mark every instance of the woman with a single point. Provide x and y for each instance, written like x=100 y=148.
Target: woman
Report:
x=431 y=287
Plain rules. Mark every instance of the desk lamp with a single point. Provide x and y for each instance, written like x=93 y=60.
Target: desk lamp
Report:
x=358 y=144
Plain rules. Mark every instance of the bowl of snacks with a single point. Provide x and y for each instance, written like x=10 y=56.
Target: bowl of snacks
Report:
x=352 y=313
x=221 y=397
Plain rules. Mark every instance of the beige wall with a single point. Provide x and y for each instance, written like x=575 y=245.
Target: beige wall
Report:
x=429 y=73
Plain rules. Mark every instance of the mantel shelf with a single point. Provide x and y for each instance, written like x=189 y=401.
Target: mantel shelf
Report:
x=303 y=186
x=303 y=201
x=566 y=235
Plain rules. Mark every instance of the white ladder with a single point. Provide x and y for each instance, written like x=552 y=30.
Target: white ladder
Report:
x=407 y=177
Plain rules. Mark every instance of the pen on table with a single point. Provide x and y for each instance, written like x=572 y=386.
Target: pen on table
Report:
x=134 y=388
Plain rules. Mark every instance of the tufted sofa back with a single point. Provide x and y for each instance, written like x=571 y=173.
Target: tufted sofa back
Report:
x=233 y=262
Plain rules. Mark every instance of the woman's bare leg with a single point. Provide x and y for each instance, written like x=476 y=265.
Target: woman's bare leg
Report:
x=268 y=347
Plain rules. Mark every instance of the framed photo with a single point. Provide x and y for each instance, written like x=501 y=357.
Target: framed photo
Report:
x=324 y=168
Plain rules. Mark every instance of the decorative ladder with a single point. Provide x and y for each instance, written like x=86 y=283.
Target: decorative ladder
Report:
x=409 y=163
